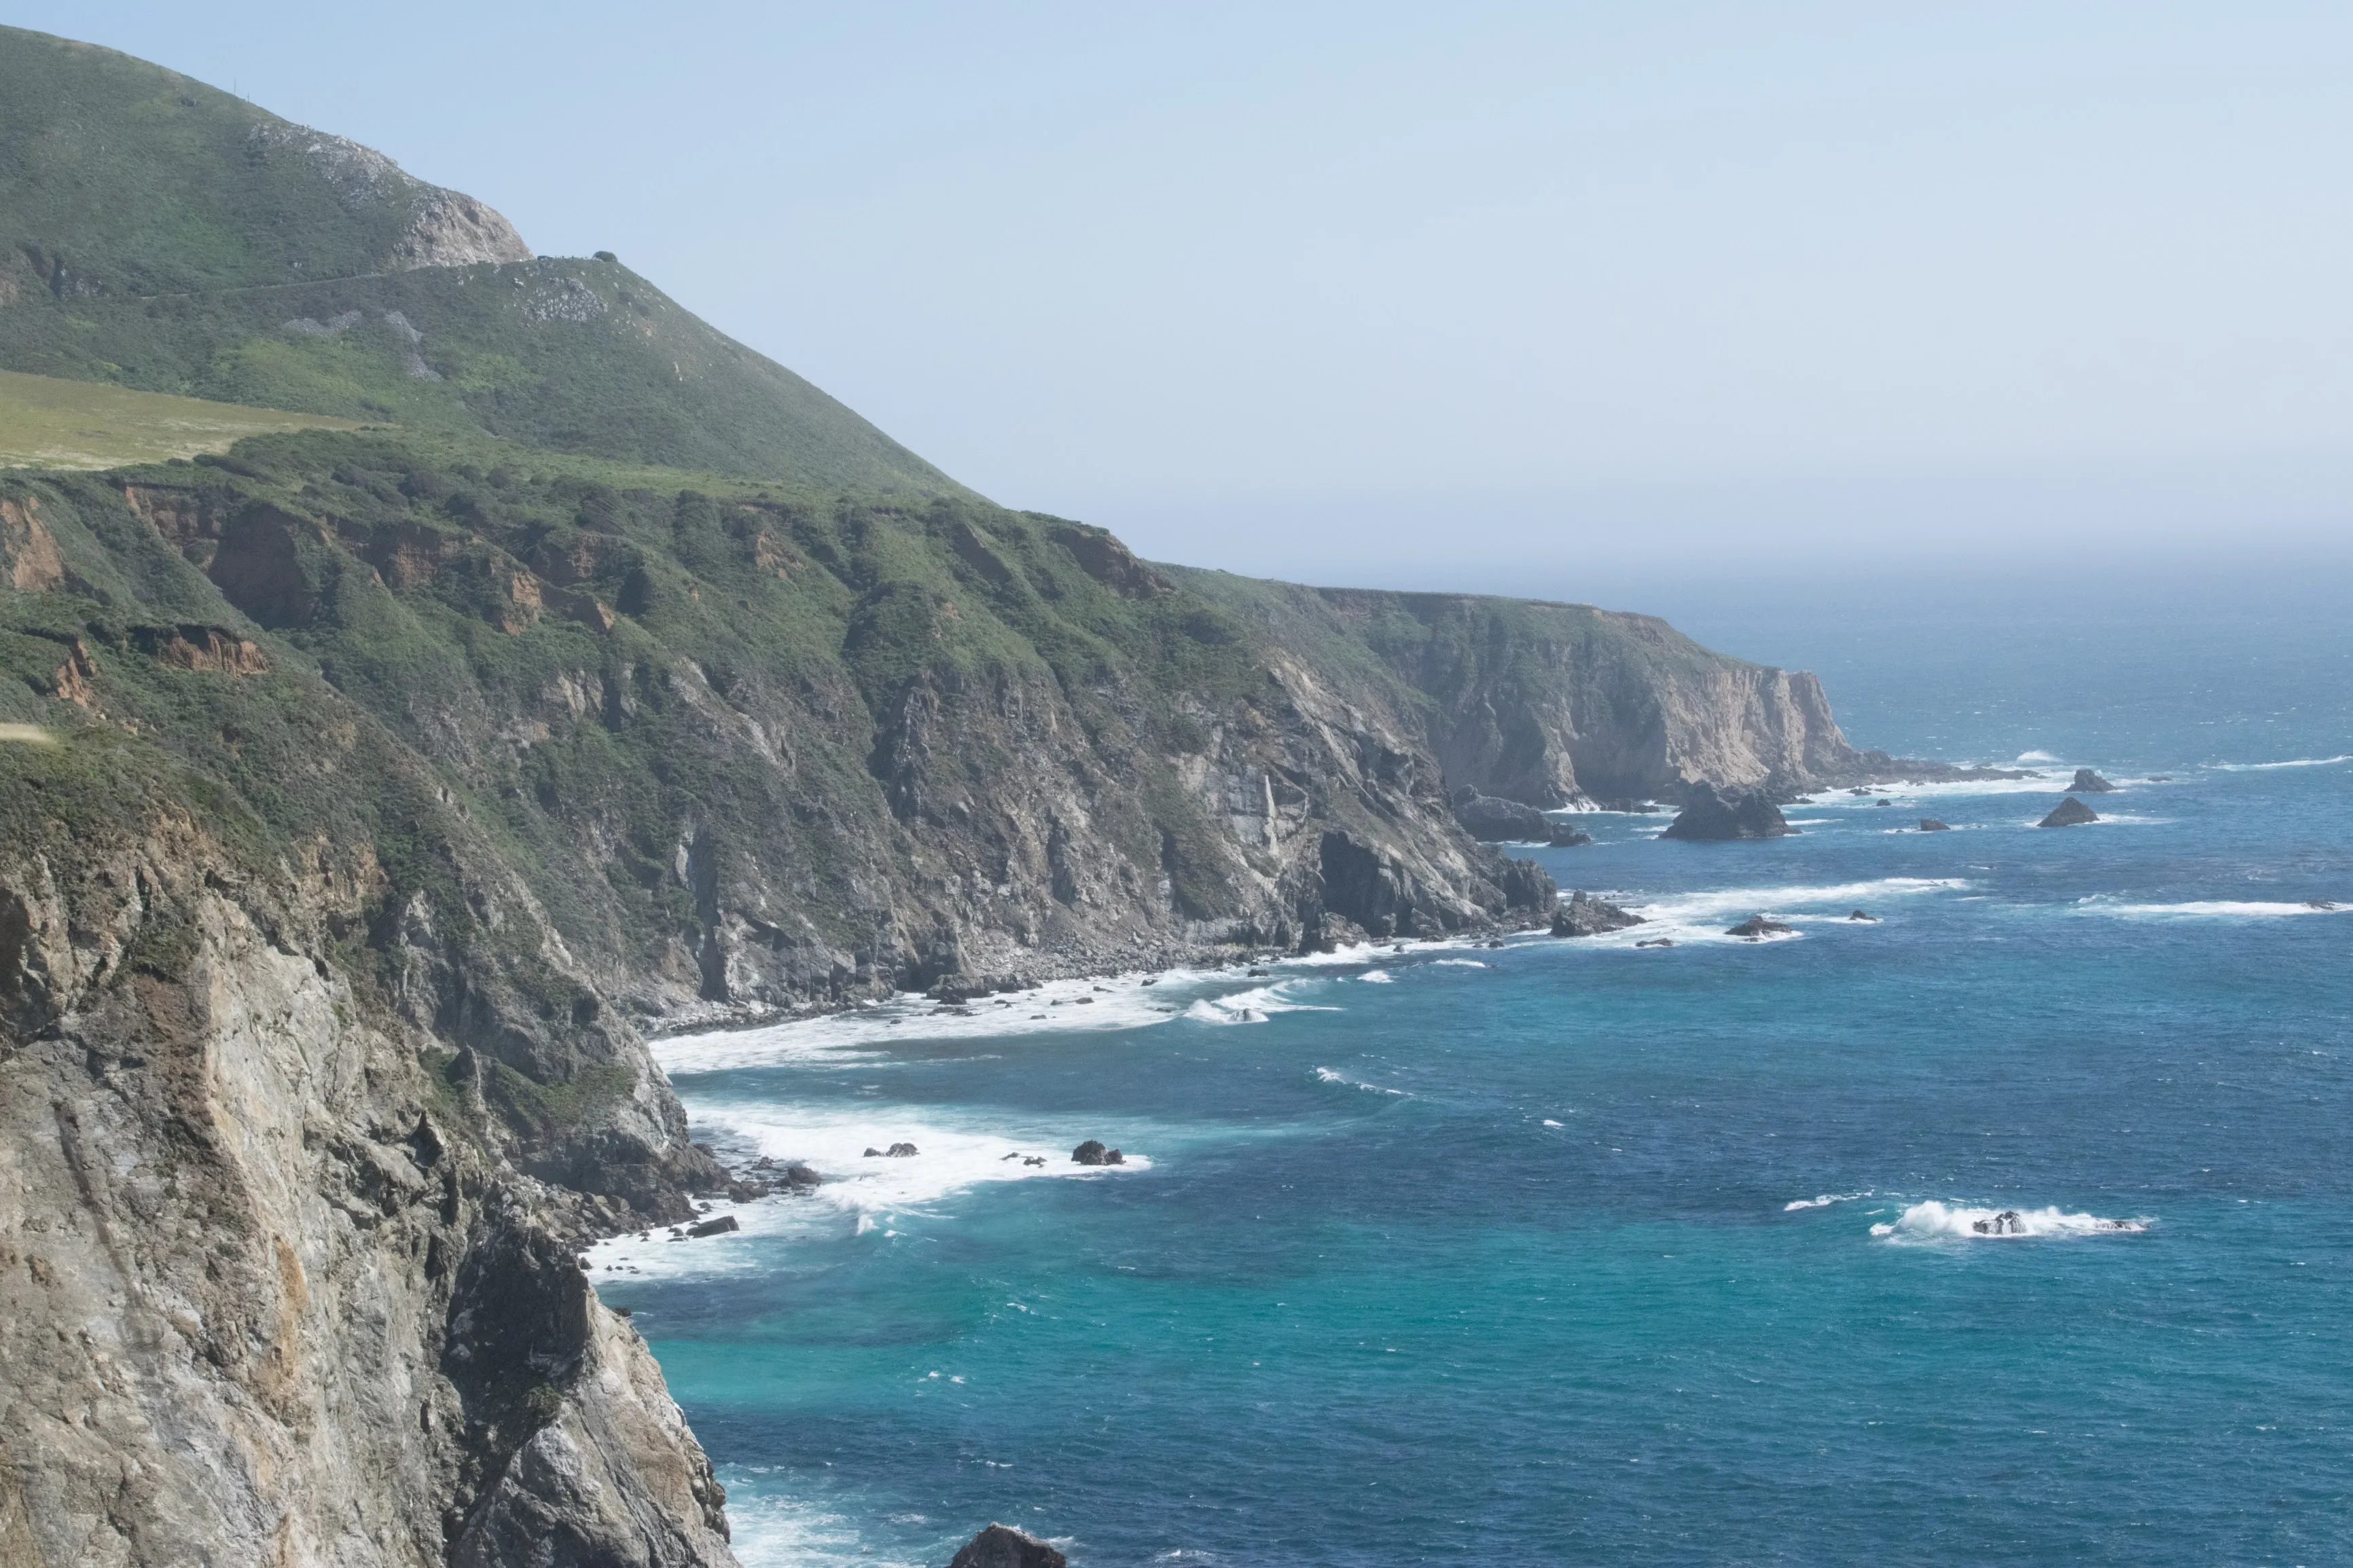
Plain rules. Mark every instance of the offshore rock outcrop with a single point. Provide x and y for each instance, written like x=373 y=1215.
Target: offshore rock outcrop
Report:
x=1718 y=816
x=2069 y=813
x=1585 y=915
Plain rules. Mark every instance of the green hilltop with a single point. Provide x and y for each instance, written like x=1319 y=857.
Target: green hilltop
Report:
x=164 y=235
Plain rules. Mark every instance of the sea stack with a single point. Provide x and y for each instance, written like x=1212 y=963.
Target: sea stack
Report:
x=1930 y=825
x=1585 y=915
x=1715 y=815
x=1002 y=1546
x=2070 y=813
x=1756 y=927
x=2089 y=783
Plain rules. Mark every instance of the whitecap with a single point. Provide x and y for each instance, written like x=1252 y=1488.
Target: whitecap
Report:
x=2293 y=762
x=1376 y=977
x=1706 y=914
x=1327 y=1075
x=1936 y=1222
x=1824 y=1200
x=1458 y=963
x=2027 y=759
x=2206 y=908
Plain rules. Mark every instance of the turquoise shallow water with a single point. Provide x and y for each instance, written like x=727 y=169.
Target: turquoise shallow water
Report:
x=1519 y=1253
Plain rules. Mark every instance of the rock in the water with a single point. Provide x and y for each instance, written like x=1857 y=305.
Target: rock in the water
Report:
x=1564 y=837
x=1715 y=815
x=2322 y=904
x=718 y=1227
x=2089 y=783
x=1859 y=915
x=1930 y=825
x=800 y=1177
x=2070 y=813
x=1002 y=1546
x=1491 y=819
x=1093 y=1153
x=1585 y=915
x=1656 y=942
x=1759 y=926
x=895 y=1151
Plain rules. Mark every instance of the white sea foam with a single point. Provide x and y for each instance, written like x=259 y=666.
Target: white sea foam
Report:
x=2293 y=762
x=1705 y=915
x=1327 y=1075
x=1458 y=963
x=1255 y=1005
x=1824 y=1200
x=864 y=1192
x=1376 y=977
x=2027 y=759
x=772 y=1530
x=2201 y=909
x=1936 y=1222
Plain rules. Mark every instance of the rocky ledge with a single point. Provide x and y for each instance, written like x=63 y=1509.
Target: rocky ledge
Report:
x=1716 y=815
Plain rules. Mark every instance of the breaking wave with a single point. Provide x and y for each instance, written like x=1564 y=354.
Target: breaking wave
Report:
x=1934 y=1221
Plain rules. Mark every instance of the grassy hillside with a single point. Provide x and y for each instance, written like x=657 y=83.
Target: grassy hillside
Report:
x=160 y=235
x=119 y=177
x=46 y=423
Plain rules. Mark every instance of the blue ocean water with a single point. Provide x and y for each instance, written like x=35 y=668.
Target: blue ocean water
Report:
x=1585 y=1252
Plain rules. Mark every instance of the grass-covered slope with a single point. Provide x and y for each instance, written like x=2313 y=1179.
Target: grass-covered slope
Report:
x=48 y=423
x=119 y=177
x=160 y=235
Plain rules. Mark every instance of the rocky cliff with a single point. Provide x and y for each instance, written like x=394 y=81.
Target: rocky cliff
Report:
x=364 y=795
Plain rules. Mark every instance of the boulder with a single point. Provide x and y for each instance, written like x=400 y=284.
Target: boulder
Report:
x=895 y=1151
x=1756 y=926
x=1930 y=825
x=1564 y=837
x=2089 y=783
x=801 y=1177
x=1093 y=1153
x=1859 y=915
x=718 y=1227
x=1714 y=815
x=2069 y=813
x=1585 y=915
x=1002 y=1546
x=1491 y=819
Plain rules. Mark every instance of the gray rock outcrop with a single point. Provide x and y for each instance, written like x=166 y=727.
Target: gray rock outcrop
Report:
x=1930 y=825
x=1002 y=1546
x=2089 y=783
x=1713 y=814
x=1756 y=926
x=2069 y=813
x=1491 y=819
x=1585 y=915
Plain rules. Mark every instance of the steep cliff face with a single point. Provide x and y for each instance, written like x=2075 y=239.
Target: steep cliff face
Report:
x=1557 y=705
x=262 y=1290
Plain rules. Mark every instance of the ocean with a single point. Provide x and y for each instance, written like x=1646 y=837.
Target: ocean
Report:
x=1580 y=1251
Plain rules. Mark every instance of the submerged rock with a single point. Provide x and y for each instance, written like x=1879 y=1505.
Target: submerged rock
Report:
x=1930 y=825
x=1002 y=1546
x=1093 y=1153
x=2069 y=813
x=1585 y=915
x=1756 y=926
x=2089 y=783
x=1715 y=815
x=1656 y=942
x=1491 y=819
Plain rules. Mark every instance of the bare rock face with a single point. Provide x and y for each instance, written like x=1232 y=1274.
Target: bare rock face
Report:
x=1585 y=915
x=455 y=230
x=1715 y=814
x=258 y=1253
x=1002 y=1546
x=2089 y=783
x=1494 y=820
x=2069 y=813
x=1930 y=825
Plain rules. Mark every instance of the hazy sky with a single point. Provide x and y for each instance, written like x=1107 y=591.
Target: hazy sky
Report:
x=1476 y=295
